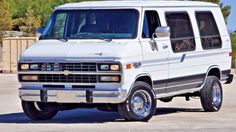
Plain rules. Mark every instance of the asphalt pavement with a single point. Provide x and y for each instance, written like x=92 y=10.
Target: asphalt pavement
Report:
x=176 y=116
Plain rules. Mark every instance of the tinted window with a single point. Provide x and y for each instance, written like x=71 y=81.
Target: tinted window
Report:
x=182 y=37
x=150 y=23
x=92 y=24
x=59 y=26
x=210 y=36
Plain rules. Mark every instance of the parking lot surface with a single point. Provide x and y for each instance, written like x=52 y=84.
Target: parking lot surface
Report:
x=175 y=116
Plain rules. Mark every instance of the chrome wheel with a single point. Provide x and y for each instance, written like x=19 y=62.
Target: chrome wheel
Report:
x=211 y=94
x=141 y=103
x=216 y=94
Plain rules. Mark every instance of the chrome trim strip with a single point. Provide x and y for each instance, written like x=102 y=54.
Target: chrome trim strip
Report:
x=178 y=92
x=53 y=83
x=199 y=82
x=71 y=59
x=71 y=72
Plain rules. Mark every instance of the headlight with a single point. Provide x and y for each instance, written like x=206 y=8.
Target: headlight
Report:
x=24 y=66
x=29 y=67
x=104 y=67
x=34 y=66
x=105 y=78
x=114 y=67
x=29 y=77
x=109 y=67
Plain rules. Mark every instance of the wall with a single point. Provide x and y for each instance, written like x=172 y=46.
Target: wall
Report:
x=11 y=50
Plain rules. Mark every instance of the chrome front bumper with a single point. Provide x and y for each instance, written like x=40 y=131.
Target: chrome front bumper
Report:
x=72 y=96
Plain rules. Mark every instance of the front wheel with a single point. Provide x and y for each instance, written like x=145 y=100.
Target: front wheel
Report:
x=39 y=110
x=211 y=94
x=140 y=105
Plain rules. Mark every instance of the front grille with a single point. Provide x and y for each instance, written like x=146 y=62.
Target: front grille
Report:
x=85 y=67
x=60 y=78
x=67 y=79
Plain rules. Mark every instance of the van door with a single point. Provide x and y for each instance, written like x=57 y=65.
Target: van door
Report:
x=155 y=60
x=184 y=72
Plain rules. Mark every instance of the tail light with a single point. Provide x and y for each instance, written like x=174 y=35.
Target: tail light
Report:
x=231 y=53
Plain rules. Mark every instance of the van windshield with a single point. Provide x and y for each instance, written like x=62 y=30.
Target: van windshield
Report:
x=92 y=24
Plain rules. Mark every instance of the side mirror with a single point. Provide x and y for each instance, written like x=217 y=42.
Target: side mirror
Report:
x=39 y=32
x=162 y=32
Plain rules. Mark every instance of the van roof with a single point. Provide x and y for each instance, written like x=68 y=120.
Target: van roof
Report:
x=136 y=3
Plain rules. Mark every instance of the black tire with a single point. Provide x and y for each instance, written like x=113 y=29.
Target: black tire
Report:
x=126 y=109
x=38 y=110
x=211 y=94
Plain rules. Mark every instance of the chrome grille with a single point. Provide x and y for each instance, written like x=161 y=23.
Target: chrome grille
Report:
x=85 y=67
x=67 y=79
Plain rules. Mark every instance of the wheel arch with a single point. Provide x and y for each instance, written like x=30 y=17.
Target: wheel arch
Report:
x=214 y=71
x=144 y=77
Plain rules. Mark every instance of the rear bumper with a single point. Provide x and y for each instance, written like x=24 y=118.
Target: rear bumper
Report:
x=72 y=96
x=229 y=79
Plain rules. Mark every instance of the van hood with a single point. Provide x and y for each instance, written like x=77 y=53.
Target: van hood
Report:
x=44 y=50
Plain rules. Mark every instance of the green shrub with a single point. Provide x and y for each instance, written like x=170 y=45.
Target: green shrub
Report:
x=233 y=41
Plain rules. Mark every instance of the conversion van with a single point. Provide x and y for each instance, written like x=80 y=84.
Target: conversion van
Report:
x=124 y=56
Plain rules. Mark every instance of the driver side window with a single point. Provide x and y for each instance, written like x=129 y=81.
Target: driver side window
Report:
x=150 y=23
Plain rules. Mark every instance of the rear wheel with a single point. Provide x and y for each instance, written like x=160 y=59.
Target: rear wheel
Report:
x=39 y=110
x=140 y=105
x=211 y=94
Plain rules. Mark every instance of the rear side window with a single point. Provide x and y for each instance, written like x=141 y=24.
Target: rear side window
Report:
x=210 y=36
x=182 y=37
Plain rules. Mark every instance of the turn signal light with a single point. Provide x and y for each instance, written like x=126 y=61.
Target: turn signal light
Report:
x=29 y=78
x=128 y=66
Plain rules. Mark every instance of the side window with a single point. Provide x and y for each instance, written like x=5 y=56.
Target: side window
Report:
x=182 y=37
x=59 y=25
x=150 y=23
x=210 y=36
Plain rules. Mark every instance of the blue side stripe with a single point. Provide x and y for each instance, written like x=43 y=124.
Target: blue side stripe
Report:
x=183 y=57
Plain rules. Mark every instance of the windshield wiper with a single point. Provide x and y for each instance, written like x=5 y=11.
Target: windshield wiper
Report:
x=47 y=37
x=105 y=39
x=62 y=39
x=91 y=36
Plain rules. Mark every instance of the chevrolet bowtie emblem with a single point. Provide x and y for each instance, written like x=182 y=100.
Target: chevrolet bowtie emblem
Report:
x=66 y=72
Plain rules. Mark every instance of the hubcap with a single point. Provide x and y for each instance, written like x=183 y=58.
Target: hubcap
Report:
x=138 y=102
x=141 y=103
x=216 y=94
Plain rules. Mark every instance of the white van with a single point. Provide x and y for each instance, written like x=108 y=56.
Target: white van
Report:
x=124 y=55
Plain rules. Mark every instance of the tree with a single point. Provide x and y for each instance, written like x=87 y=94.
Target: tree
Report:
x=233 y=41
x=30 y=23
x=42 y=8
x=226 y=9
x=5 y=18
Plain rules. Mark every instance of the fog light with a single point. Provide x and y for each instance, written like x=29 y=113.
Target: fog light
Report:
x=29 y=78
x=34 y=67
x=24 y=66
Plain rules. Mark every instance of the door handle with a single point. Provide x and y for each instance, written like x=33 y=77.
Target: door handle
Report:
x=164 y=46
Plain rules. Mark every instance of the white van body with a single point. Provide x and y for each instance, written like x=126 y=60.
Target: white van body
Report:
x=167 y=71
